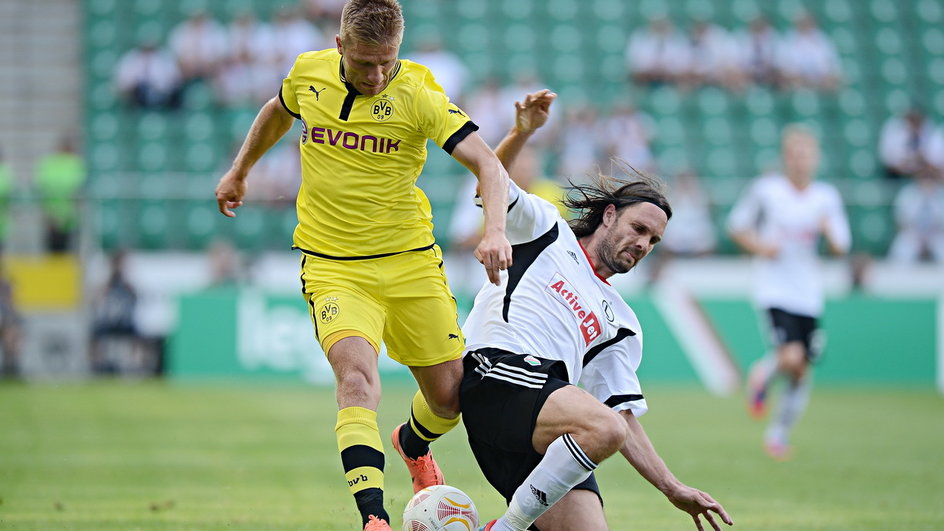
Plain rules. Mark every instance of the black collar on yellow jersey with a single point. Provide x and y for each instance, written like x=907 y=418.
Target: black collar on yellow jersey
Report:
x=353 y=92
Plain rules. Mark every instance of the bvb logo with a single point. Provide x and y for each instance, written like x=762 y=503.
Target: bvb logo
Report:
x=382 y=110
x=329 y=311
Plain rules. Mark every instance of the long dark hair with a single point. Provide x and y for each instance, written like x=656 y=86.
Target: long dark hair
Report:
x=590 y=200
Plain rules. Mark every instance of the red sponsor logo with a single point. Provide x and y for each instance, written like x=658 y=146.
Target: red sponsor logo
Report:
x=563 y=292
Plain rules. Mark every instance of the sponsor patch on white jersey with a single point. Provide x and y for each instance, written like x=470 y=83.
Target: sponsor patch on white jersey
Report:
x=563 y=292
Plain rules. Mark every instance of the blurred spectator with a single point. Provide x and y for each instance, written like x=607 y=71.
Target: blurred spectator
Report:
x=147 y=77
x=808 y=58
x=481 y=107
x=713 y=57
x=115 y=340
x=277 y=176
x=11 y=328
x=692 y=232
x=294 y=35
x=906 y=144
x=758 y=49
x=447 y=67
x=527 y=81
x=7 y=187
x=657 y=54
x=59 y=179
x=935 y=151
x=528 y=173
x=325 y=10
x=860 y=272
x=627 y=134
x=199 y=46
x=579 y=145
x=225 y=262
x=919 y=213
x=250 y=71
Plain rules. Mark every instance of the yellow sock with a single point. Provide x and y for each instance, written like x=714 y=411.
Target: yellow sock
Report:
x=363 y=459
x=425 y=427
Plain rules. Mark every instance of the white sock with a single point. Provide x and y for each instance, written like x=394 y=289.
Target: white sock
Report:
x=564 y=465
x=792 y=405
x=764 y=370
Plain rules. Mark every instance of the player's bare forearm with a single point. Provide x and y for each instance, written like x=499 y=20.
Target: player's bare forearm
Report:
x=511 y=145
x=269 y=126
x=751 y=243
x=640 y=453
x=494 y=251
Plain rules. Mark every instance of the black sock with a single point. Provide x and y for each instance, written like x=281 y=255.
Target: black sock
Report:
x=412 y=444
x=370 y=502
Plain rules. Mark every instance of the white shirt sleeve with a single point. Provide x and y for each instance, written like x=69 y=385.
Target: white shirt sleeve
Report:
x=837 y=224
x=746 y=210
x=529 y=216
x=613 y=381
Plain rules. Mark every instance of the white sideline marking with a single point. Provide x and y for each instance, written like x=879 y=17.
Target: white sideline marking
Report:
x=698 y=339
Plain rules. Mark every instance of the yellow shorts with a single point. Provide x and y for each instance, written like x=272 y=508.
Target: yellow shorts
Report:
x=402 y=300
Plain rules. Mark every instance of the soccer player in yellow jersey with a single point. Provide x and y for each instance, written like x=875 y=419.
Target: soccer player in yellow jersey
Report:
x=370 y=270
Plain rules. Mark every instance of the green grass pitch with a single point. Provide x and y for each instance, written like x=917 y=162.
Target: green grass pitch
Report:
x=153 y=455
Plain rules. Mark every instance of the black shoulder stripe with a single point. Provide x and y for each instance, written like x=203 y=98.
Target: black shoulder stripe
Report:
x=515 y=202
x=290 y=111
x=621 y=334
x=616 y=400
x=464 y=131
x=522 y=256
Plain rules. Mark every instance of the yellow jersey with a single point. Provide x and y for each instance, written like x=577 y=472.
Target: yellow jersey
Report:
x=361 y=156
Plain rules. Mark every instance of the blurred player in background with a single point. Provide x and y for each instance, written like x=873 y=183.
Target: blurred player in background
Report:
x=556 y=321
x=779 y=220
x=371 y=272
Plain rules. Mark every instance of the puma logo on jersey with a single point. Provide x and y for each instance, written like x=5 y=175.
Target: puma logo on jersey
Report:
x=453 y=336
x=316 y=91
x=563 y=292
x=456 y=111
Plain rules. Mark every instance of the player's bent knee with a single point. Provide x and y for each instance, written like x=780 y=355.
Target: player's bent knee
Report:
x=611 y=432
x=603 y=435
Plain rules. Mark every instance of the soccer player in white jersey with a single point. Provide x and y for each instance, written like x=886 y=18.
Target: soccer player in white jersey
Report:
x=554 y=322
x=779 y=220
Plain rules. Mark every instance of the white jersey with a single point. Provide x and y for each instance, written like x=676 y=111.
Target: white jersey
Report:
x=792 y=219
x=551 y=304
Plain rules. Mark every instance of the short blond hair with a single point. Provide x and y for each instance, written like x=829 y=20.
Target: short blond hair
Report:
x=375 y=22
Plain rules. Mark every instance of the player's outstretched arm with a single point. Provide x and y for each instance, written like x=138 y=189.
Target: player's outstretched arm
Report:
x=271 y=124
x=493 y=251
x=530 y=115
x=640 y=453
x=751 y=242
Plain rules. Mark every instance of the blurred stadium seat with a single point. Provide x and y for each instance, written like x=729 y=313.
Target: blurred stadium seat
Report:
x=890 y=51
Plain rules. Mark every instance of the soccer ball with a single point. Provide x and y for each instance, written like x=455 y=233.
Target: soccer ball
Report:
x=440 y=507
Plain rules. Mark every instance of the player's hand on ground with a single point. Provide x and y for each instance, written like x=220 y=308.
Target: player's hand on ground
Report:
x=533 y=112
x=494 y=252
x=230 y=192
x=700 y=505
